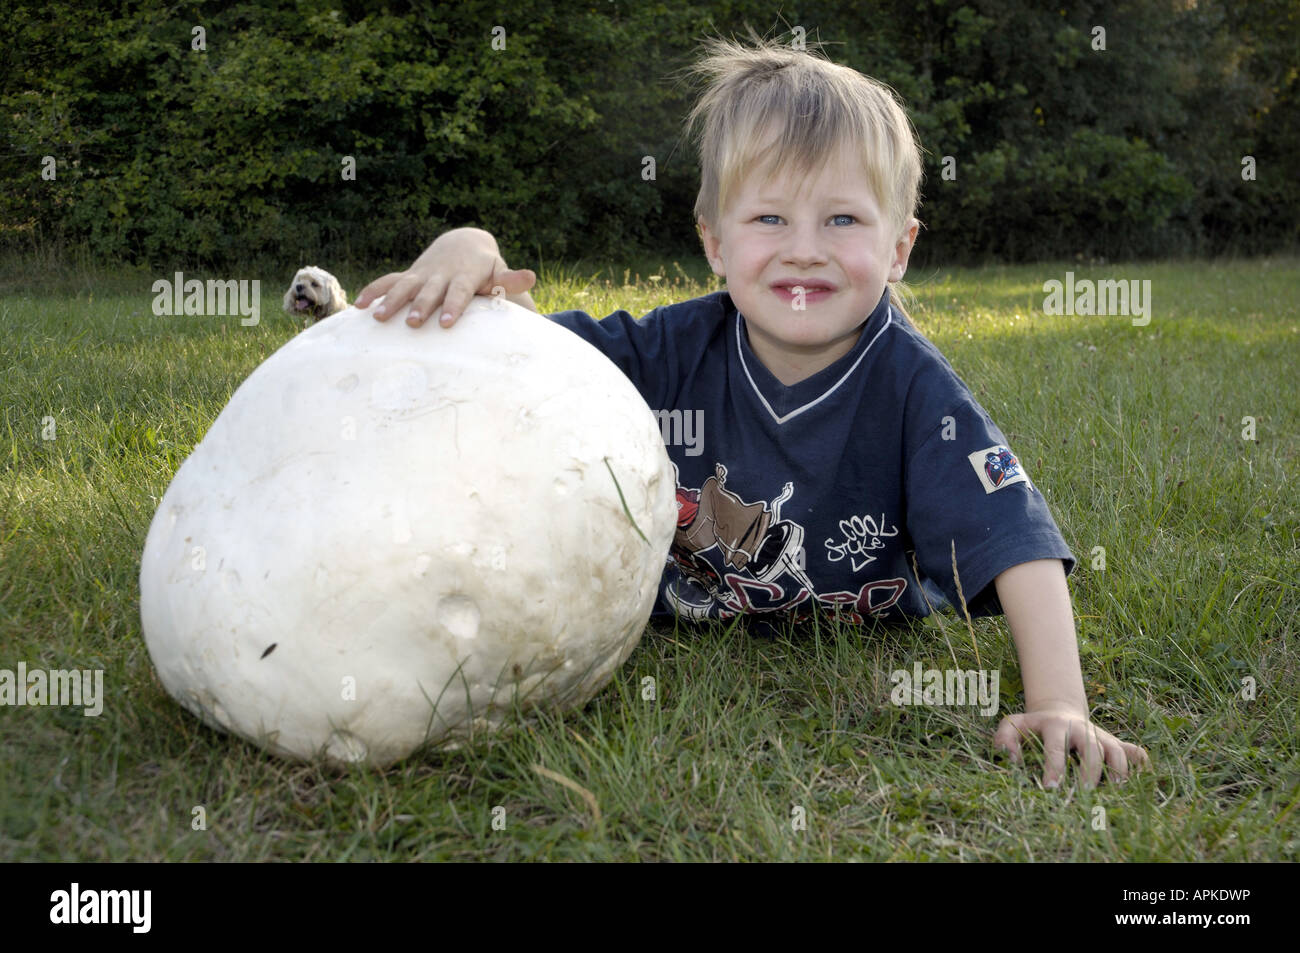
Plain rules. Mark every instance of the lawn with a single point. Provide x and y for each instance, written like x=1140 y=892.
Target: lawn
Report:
x=1141 y=438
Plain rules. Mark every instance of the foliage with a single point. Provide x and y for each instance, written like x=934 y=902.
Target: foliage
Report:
x=171 y=155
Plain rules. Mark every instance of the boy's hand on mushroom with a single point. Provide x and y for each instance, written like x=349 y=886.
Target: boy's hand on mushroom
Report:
x=1063 y=730
x=457 y=266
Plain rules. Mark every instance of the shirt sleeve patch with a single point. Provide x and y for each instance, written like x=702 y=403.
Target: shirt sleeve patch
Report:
x=997 y=467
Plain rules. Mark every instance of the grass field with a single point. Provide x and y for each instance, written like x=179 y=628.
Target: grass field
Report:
x=1134 y=433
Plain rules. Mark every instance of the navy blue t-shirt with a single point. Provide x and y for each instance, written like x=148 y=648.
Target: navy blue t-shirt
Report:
x=819 y=493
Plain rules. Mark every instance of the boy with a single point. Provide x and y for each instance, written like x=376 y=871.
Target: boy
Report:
x=838 y=442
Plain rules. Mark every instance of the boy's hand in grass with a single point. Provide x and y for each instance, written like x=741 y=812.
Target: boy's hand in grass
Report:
x=1063 y=730
x=1036 y=601
x=458 y=265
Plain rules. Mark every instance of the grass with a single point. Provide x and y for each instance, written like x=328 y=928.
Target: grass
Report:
x=1134 y=433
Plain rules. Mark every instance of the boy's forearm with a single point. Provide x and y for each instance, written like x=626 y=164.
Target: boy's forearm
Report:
x=1036 y=601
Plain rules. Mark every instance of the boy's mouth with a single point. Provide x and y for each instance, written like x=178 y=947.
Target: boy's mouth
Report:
x=809 y=290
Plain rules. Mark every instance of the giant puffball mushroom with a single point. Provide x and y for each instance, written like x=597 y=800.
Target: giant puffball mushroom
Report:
x=389 y=536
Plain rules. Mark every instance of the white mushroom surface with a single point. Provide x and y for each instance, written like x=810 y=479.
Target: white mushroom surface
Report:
x=391 y=534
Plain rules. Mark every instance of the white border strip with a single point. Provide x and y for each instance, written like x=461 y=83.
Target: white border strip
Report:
x=740 y=349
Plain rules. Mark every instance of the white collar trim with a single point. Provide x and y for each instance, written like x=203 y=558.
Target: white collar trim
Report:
x=780 y=419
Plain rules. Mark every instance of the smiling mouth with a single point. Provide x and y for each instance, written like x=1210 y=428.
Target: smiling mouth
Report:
x=301 y=303
x=810 y=292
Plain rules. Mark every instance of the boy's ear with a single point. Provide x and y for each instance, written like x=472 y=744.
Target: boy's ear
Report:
x=903 y=249
x=711 y=242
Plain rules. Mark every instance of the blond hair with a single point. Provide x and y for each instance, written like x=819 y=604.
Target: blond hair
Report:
x=770 y=108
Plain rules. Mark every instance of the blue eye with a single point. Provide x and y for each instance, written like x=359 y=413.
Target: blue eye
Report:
x=851 y=219
x=776 y=217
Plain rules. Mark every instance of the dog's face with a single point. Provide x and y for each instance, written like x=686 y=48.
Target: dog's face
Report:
x=314 y=294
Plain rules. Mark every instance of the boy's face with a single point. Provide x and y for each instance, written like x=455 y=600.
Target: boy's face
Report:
x=825 y=232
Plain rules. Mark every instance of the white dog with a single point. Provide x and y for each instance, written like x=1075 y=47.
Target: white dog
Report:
x=315 y=293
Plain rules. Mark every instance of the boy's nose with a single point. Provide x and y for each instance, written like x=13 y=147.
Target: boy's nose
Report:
x=804 y=245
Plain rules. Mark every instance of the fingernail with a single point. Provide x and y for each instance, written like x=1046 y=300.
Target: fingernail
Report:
x=446 y=320
x=416 y=315
x=381 y=309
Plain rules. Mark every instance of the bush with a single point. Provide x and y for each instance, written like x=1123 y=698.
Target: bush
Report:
x=300 y=132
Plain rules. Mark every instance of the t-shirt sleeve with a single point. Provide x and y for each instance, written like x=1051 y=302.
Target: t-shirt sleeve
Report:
x=638 y=347
x=966 y=488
